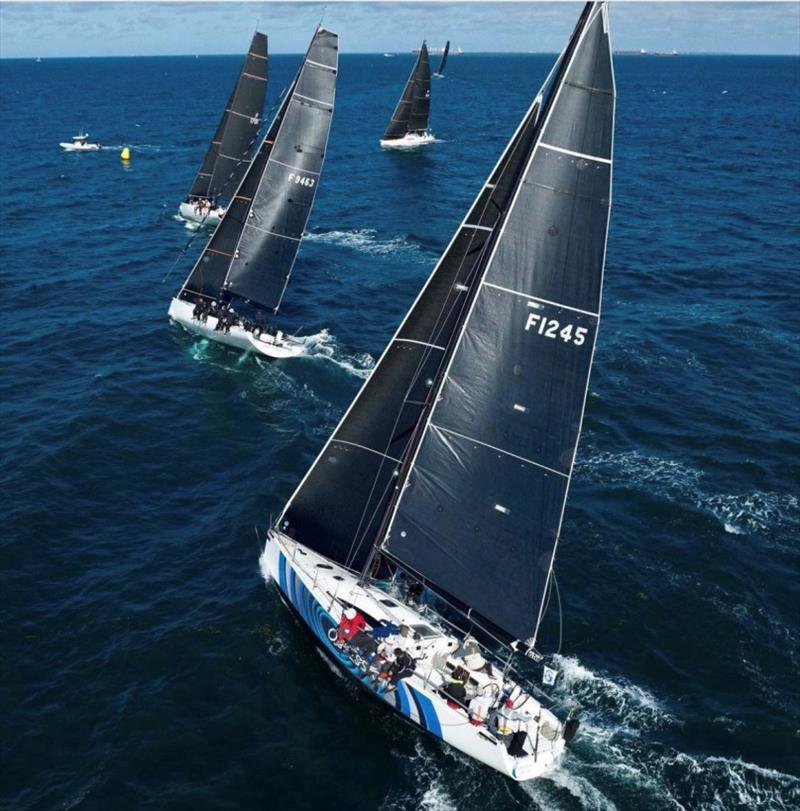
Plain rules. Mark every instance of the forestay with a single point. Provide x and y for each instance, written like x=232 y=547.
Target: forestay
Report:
x=413 y=109
x=482 y=504
x=228 y=153
x=253 y=249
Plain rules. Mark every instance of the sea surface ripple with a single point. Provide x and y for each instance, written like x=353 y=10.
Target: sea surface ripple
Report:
x=146 y=665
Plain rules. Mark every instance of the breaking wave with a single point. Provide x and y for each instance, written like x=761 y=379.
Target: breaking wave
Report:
x=324 y=345
x=365 y=240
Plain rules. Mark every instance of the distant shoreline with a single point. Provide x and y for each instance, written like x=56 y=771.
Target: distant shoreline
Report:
x=621 y=55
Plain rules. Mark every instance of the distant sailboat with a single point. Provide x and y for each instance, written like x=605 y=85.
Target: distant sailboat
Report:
x=449 y=472
x=244 y=269
x=408 y=126
x=442 y=64
x=229 y=151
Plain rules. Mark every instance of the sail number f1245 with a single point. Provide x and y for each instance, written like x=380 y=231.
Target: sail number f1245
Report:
x=302 y=180
x=552 y=328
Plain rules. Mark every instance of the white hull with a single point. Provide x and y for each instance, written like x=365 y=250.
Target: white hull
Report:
x=409 y=141
x=190 y=213
x=319 y=590
x=272 y=346
x=68 y=146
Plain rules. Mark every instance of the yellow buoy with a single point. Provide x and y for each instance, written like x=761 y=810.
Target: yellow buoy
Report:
x=125 y=154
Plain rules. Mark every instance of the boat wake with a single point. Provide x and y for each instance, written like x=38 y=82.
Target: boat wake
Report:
x=324 y=345
x=739 y=513
x=365 y=240
x=614 y=754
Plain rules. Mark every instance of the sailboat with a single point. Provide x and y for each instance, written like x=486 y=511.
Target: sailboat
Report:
x=244 y=269
x=408 y=126
x=436 y=506
x=229 y=151
x=440 y=72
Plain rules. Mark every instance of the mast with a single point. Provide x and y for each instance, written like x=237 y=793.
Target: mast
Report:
x=253 y=249
x=455 y=457
x=412 y=111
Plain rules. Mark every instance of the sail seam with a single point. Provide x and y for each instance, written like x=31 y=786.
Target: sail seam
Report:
x=245 y=115
x=499 y=450
x=538 y=298
x=311 y=98
x=320 y=65
x=296 y=168
x=575 y=154
x=272 y=233
x=421 y=343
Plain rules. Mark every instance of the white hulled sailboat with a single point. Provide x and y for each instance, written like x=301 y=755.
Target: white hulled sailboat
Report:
x=430 y=518
x=230 y=149
x=243 y=271
x=408 y=127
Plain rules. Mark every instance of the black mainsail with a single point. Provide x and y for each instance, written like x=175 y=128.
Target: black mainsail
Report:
x=442 y=64
x=228 y=153
x=413 y=109
x=252 y=251
x=455 y=458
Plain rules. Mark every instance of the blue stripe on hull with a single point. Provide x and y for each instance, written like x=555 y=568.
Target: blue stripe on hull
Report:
x=321 y=622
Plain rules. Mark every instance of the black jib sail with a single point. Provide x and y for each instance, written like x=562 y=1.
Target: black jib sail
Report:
x=253 y=249
x=228 y=154
x=456 y=454
x=411 y=113
x=442 y=64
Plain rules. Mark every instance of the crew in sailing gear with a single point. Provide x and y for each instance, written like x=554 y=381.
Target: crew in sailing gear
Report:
x=455 y=690
x=504 y=721
x=402 y=667
x=471 y=653
x=349 y=625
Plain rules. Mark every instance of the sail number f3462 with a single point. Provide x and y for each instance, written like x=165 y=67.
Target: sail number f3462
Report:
x=302 y=180
x=552 y=328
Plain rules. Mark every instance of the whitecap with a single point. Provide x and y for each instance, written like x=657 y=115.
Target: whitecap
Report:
x=324 y=345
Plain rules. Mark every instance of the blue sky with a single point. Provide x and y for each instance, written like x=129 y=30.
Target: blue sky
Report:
x=122 y=29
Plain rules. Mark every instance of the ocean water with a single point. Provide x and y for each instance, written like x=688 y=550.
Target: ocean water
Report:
x=145 y=663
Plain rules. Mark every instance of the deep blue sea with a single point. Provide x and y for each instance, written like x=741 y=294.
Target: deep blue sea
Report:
x=145 y=663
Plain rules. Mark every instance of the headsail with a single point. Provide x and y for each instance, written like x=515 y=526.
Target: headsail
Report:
x=228 y=154
x=252 y=251
x=462 y=440
x=442 y=64
x=412 y=111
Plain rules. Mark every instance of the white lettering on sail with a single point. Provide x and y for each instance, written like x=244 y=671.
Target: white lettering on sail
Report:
x=551 y=328
x=301 y=180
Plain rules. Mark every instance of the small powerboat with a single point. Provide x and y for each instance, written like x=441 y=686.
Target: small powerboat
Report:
x=79 y=143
